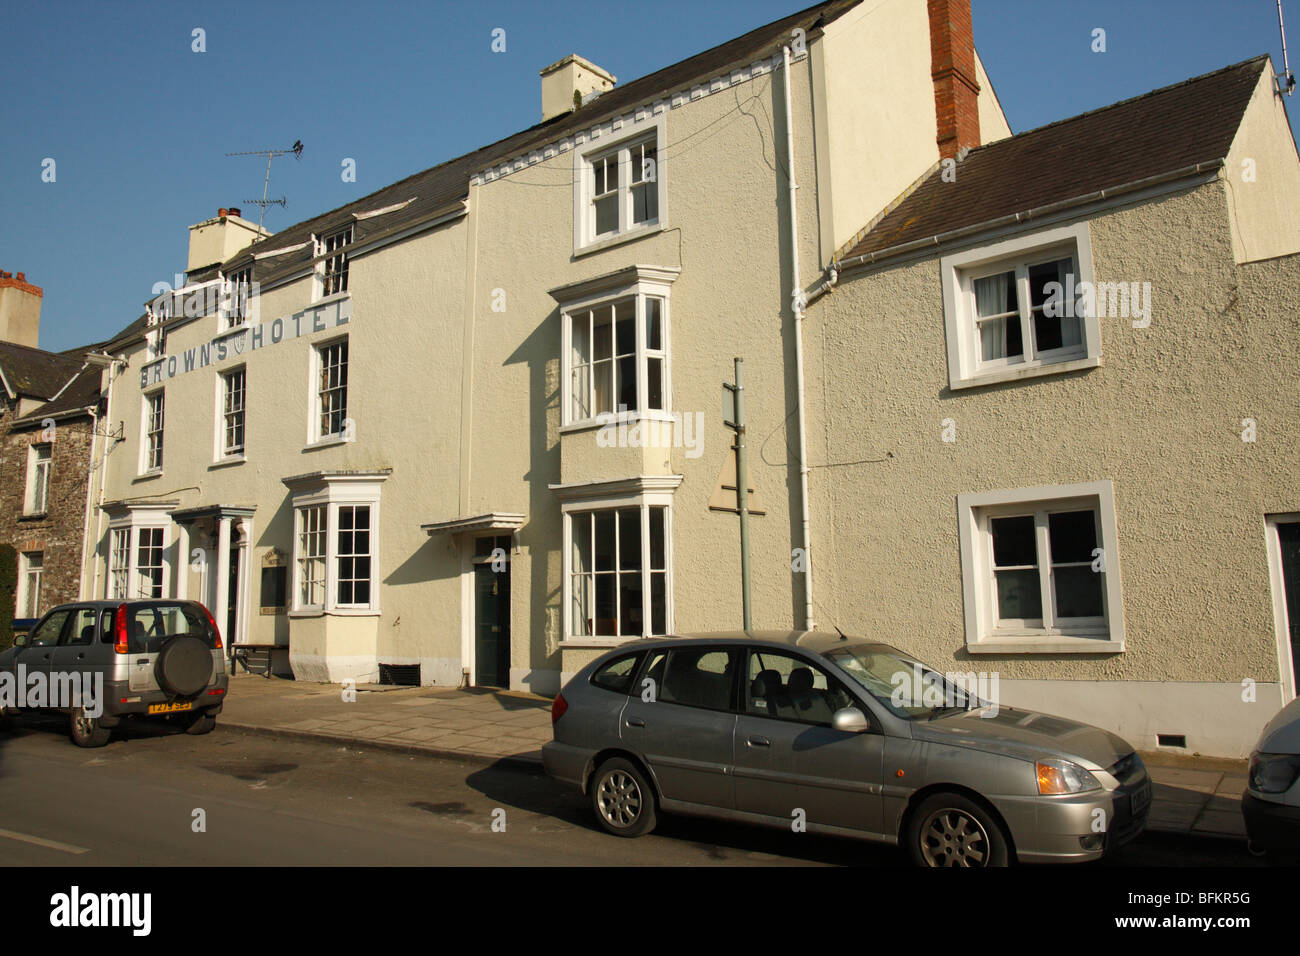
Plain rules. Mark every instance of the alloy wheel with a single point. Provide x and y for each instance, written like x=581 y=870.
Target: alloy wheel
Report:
x=619 y=799
x=952 y=837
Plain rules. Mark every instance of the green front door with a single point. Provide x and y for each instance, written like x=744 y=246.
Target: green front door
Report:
x=492 y=624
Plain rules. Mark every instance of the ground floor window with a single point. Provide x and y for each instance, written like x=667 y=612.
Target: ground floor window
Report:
x=29 y=584
x=618 y=571
x=149 y=563
x=336 y=559
x=311 y=557
x=137 y=566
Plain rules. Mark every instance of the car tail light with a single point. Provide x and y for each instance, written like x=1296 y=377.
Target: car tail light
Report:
x=216 y=631
x=558 y=707
x=120 y=645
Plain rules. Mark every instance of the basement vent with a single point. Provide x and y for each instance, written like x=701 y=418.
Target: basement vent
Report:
x=404 y=675
x=1172 y=740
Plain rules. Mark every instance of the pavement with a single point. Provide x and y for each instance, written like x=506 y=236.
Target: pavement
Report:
x=1195 y=796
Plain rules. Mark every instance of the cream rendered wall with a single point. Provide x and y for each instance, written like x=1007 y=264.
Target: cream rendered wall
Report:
x=403 y=395
x=880 y=125
x=726 y=229
x=1264 y=179
x=1161 y=418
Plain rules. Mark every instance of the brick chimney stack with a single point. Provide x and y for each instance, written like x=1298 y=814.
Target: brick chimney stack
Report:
x=952 y=67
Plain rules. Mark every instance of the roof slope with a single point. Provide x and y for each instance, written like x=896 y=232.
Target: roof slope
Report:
x=82 y=392
x=1159 y=132
x=34 y=373
x=448 y=182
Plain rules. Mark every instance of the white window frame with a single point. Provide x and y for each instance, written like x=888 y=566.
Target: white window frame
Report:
x=332 y=493
x=239 y=298
x=36 y=500
x=984 y=635
x=126 y=530
x=29 y=580
x=147 y=467
x=222 y=450
x=329 y=252
x=315 y=434
x=643 y=283
x=1277 y=587
x=627 y=498
x=621 y=142
x=959 y=272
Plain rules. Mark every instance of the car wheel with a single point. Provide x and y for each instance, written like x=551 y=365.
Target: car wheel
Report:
x=200 y=724
x=8 y=718
x=86 y=731
x=622 y=799
x=948 y=829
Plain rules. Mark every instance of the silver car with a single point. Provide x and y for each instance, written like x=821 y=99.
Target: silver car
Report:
x=834 y=734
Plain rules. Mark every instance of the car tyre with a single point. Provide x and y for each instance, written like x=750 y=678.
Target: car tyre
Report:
x=87 y=731
x=200 y=724
x=8 y=720
x=949 y=829
x=622 y=798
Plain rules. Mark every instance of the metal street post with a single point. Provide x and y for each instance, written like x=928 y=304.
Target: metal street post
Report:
x=736 y=394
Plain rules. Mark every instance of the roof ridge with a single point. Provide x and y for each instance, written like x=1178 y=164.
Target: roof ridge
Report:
x=1124 y=102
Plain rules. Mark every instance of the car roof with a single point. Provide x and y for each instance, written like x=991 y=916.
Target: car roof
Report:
x=817 y=641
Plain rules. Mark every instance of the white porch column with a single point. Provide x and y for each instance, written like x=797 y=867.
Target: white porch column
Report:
x=244 y=584
x=222 y=610
x=182 y=573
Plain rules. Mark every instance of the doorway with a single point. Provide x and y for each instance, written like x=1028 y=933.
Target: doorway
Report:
x=1287 y=574
x=492 y=611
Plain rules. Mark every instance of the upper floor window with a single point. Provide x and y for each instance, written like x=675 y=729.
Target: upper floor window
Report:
x=234 y=392
x=1021 y=308
x=334 y=248
x=616 y=349
x=620 y=188
x=331 y=391
x=153 y=430
x=239 y=288
x=38 y=478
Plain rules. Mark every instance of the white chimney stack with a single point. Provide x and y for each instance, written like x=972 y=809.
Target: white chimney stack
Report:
x=569 y=83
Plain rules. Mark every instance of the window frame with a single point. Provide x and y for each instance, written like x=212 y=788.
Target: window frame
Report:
x=958 y=272
x=239 y=297
x=225 y=452
x=331 y=494
x=315 y=412
x=25 y=573
x=620 y=144
x=641 y=286
x=984 y=633
x=333 y=261
x=125 y=531
x=38 y=478
x=148 y=451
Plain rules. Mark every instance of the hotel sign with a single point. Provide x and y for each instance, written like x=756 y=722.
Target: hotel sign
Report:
x=248 y=338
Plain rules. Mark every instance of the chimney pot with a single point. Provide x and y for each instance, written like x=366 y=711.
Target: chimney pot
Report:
x=222 y=212
x=234 y=211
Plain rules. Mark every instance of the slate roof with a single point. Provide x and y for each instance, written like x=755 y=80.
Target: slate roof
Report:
x=35 y=373
x=445 y=184
x=1159 y=132
x=82 y=392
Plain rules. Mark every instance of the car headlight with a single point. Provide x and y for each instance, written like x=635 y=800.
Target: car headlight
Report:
x=1273 y=773
x=1062 y=776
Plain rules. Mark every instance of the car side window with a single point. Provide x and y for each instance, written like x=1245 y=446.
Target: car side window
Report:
x=81 y=629
x=617 y=674
x=693 y=676
x=783 y=686
x=106 y=619
x=46 y=633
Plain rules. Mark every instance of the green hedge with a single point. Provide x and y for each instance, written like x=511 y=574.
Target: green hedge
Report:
x=8 y=593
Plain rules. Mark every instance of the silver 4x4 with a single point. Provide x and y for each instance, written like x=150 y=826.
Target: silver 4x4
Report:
x=101 y=661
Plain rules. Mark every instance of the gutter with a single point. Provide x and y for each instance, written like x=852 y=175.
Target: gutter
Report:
x=1037 y=212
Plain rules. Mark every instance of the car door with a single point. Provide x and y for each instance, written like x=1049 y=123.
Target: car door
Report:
x=789 y=757
x=681 y=720
x=74 y=653
x=41 y=643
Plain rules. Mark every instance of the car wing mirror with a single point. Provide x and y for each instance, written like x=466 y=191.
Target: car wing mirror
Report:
x=850 y=720
x=20 y=640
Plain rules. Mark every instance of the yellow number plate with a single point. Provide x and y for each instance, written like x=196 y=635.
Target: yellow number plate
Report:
x=170 y=708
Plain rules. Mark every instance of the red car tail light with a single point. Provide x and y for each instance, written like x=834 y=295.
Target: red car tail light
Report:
x=120 y=645
x=216 y=631
x=558 y=707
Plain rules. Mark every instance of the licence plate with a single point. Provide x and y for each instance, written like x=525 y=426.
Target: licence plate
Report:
x=1141 y=800
x=171 y=708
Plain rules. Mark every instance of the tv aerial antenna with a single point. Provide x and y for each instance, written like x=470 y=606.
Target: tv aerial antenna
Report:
x=1285 y=82
x=270 y=154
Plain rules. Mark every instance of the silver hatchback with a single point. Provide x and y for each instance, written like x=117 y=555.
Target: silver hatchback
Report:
x=839 y=735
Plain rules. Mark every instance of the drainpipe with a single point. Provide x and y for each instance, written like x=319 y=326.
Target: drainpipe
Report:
x=90 y=493
x=797 y=306
x=103 y=466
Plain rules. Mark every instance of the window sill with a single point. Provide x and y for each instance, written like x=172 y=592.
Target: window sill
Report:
x=596 y=643
x=227 y=462
x=33 y=516
x=148 y=475
x=1045 y=644
x=1014 y=374
x=325 y=443
x=335 y=612
x=599 y=245
x=232 y=331
x=626 y=418
x=329 y=299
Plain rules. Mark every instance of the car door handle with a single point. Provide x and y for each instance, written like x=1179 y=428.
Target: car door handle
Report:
x=81 y=656
x=635 y=722
x=757 y=741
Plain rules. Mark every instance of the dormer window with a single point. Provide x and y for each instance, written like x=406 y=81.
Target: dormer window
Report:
x=239 y=289
x=334 y=274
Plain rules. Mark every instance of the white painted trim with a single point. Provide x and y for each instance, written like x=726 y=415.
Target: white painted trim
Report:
x=959 y=326
x=977 y=598
x=1281 y=617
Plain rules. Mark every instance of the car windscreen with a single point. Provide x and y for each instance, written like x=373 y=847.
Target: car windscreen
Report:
x=149 y=626
x=906 y=687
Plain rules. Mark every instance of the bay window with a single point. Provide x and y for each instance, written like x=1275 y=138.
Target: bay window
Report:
x=336 y=545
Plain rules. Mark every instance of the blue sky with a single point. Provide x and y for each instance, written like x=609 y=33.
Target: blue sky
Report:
x=138 y=123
